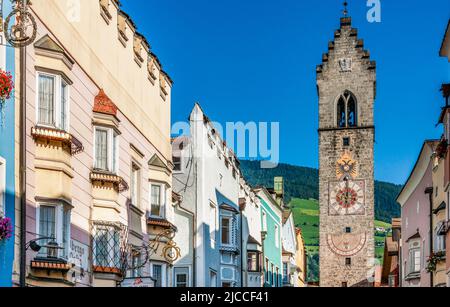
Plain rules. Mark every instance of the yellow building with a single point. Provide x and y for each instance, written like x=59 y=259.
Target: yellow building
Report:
x=98 y=186
x=301 y=260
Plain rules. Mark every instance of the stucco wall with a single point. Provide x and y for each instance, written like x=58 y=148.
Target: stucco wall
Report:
x=416 y=217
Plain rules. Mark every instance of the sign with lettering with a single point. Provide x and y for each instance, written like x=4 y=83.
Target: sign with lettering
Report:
x=139 y=282
x=79 y=255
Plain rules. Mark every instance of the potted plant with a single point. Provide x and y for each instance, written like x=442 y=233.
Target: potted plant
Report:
x=6 y=88
x=433 y=260
x=5 y=229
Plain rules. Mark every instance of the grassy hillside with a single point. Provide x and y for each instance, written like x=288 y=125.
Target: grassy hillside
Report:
x=306 y=216
x=303 y=183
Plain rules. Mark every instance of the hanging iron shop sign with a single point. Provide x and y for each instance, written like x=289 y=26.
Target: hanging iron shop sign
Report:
x=20 y=26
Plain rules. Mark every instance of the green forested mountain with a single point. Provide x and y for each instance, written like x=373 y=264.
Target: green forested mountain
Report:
x=303 y=183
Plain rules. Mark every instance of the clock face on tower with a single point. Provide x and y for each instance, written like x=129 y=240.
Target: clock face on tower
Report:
x=347 y=197
x=347 y=244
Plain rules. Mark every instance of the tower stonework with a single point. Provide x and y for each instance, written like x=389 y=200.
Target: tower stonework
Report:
x=346 y=82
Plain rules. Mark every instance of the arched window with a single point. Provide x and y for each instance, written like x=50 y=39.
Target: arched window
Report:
x=347 y=111
x=341 y=114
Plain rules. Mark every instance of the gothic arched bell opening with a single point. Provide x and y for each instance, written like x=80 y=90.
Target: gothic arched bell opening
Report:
x=347 y=111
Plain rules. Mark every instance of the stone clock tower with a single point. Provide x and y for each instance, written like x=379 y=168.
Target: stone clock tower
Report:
x=346 y=82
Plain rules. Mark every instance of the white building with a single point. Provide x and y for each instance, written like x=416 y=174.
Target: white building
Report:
x=207 y=177
x=289 y=239
x=252 y=273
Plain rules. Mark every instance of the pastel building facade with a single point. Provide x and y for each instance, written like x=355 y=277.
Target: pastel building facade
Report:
x=290 y=247
x=99 y=163
x=301 y=260
x=207 y=177
x=252 y=254
x=416 y=211
x=272 y=223
x=445 y=120
x=7 y=163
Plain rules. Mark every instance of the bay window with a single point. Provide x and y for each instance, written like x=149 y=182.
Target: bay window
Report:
x=54 y=223
x=53 y=101
x=2 y=186
x=106 y=149
x=253 y=259
x=158 y=200
x=106 y=247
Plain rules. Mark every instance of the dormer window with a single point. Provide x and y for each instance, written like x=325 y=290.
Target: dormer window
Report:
x=138 y=50
x=152 y=70
x=163 y=86
x=104 y=10
x=53 y=101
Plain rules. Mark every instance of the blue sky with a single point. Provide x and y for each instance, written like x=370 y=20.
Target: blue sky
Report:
x=254 y=60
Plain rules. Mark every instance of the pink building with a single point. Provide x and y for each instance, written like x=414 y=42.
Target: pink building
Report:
x=416 y=201
x=98 y=153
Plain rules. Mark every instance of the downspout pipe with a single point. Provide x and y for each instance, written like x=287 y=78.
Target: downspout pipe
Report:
x=193 y=239
x=429 y=191
x=23 y=167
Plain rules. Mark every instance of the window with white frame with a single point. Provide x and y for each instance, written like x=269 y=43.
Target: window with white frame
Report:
x=226 y=230
x=181 y=277
x=106 y=149
x=177 y=164
x=137 y=265
x=264 y=221
x=277 y=236
x=439 y=238
x=157 y=199
x=52 y=101
x=135 y=185
x=54 y=224
x=159 y=274
x=415 y=264
x=2 y=186
x=212 y=279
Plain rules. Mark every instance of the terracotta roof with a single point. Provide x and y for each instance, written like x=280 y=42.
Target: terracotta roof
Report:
x=160 y=223
x=107 y=270
x=104 y=105
x=49 y=265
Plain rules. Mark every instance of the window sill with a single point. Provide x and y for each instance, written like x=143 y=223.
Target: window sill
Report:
x=51 y=264
x=412 y=276
x=104 y=177
x=56 y=135
x=106 y=270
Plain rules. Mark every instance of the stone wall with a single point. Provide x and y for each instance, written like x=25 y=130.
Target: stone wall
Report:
x=357 y=75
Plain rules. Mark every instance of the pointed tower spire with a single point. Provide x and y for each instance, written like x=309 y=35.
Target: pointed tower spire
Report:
x=345 y=8
x=345 y=19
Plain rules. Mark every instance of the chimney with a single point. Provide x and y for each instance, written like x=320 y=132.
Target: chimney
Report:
x=278 y=187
